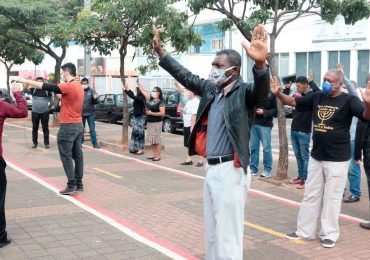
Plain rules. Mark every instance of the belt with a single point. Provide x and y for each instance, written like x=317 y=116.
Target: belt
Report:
x=220 y=159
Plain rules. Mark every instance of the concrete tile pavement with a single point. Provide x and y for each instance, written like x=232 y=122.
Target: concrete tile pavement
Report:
x=159 y=202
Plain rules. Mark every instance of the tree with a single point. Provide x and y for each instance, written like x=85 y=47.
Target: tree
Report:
x=46 y=25
x=116 y=24
x=248 y=13
x=14 y=53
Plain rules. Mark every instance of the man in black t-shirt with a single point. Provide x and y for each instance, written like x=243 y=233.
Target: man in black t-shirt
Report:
x=330 y=155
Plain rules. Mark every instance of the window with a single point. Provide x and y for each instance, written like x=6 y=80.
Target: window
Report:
x=340 y=56
x=217 y=43
x=171 y=99
x=101 y=98
x=109 y=99
x=309 y=63
x=282 y=63
x=363 y=68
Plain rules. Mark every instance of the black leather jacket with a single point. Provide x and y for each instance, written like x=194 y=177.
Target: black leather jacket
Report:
x=240 y=104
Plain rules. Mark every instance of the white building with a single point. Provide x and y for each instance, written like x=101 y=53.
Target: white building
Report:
x=306 y=45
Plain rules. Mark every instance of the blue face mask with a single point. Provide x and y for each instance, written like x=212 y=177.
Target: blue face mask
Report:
x=327 y=88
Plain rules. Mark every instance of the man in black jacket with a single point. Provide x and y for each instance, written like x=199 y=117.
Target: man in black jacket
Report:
x=301 y=130
x=261 y=132
x=88 y=111
x=221 y=134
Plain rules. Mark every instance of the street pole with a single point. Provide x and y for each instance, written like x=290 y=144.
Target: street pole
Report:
x=87 y=49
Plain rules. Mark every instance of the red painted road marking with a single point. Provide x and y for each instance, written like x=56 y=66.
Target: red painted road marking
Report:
x=114 y=220
x=255 y=192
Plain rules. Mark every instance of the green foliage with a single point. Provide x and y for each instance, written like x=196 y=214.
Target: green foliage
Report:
x=115 y=24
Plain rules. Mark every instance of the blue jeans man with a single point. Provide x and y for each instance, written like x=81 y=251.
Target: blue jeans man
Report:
x=354 y=177
x=301 y=147
x=261 y=134
x=91 y=122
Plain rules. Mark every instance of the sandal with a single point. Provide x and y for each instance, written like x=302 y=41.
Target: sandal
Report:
x=156 y=159
x=199 y=164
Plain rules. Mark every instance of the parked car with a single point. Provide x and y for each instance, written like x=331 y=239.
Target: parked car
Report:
x=110 y=107
x=4 y=95
x=172 y=120
x=28 y=98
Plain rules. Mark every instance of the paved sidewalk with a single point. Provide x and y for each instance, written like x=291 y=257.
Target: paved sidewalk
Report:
x=159 y=202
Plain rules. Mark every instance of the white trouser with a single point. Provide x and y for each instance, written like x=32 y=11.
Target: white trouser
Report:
x=225 y=194
x=323 y=195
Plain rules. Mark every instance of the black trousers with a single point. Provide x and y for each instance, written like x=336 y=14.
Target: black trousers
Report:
x=366 y=152
x=3 y=233
x=44 y=118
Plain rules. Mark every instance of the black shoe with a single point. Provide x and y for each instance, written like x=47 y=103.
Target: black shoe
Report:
x=34 y=146
x=292 y=236
x=68 y=191
x=96 y=146
x=327 y=243
x=47 y=146
x=365 y=225
x=80 y=187
x=351 y=198
x=187 y=163
x=5 y=242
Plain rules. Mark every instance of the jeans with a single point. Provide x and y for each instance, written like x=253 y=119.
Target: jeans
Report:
x=354 y=174
x=44 y=118
x=3 y=182
x=69 y=140
x=263 y=134
x=91 y=122
x=301 y=148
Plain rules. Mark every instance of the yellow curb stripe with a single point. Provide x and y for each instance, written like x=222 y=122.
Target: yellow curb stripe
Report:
x=42 y=149
x=271 y=232
x=108 y=173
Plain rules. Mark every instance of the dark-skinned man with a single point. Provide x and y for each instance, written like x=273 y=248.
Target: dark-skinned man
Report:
x=332 y=112
x=221 y=134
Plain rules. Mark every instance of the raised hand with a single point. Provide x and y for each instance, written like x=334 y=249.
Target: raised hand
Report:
x=15 y=87
x=274 y=85
x=366 y=94
x=157 y=42
x=125 y=85
x=257 y=48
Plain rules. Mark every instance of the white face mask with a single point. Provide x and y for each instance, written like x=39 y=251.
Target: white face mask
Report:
x=154 y=94
x=85 y=86
x=218 y=77
x=344 y=90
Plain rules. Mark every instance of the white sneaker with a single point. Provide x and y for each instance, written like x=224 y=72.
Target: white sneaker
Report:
x=266 y=174
x=254 y=173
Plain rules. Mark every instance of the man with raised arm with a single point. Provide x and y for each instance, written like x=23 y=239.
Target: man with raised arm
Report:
x=332 y=111
x=221 y=134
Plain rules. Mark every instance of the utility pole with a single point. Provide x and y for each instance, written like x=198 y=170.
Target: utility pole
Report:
x=87 y=49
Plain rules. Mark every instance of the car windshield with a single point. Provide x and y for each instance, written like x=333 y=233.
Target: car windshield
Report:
x=120 y=99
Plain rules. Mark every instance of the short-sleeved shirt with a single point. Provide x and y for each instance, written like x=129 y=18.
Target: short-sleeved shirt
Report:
x=332 y=117
x=190 y=109
x=71 y=102
x=154 y=107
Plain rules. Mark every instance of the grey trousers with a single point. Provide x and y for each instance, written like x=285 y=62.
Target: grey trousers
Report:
x=69 y=140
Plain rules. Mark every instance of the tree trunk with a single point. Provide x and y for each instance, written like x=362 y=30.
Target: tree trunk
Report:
x=8 y=68
x=123 y=52
x=282 y=169
x=58 y=65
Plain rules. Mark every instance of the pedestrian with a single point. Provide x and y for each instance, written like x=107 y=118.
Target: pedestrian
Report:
x=332 y=112
x=88 y=111
x=40 y=112
x=300 y=134
x=261 y=133
x=71 y=131
x=137 y=143
x=189 y=114
x=221 y=133
x=155 y=111
x=363 y=144
x=8 y=111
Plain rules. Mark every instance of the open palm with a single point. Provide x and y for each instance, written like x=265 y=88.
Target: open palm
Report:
x=274 y=85
x=257 y=49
